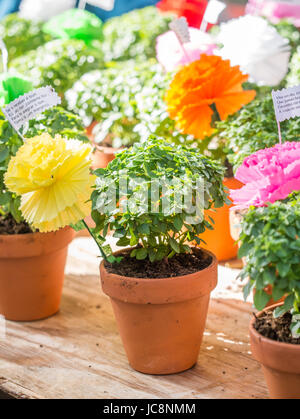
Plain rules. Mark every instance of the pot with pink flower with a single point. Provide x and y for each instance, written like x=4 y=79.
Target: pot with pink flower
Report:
x=268 y=175
x=270 y=242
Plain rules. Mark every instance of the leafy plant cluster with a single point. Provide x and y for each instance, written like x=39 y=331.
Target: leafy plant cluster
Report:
x=133 y=35
x=122 y=98
x=54 y=121
x=59 y=63
x=271 y=243
x=293 y=77
x=21 y=35
x=253 y=128
x=137 y=217
x=289 y=31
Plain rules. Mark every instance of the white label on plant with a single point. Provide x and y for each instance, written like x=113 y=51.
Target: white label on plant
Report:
x=181 y=29
x=30 y=105
x=103 y=4
x=213 y=10
x=286 y=103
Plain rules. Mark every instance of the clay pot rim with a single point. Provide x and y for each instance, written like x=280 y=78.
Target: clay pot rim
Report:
x=11 y=237
x=269 y=341
x=160 y=290
x=16 y=246
x=146 y=280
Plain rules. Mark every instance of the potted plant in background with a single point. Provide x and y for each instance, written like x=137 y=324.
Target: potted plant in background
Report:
x=271 y=244
x=211 y=88
x=108 y=102
x=159 y=286
x=255 y=121
x=268 y=175
x=49 y=182
x=31 y=261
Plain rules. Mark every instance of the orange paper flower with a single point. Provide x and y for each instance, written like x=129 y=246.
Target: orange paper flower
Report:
x=200 y=84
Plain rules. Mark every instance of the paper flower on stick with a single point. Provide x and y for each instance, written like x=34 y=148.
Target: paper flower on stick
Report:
x=269 y=175
x=201 y=84
x=275 y=10
x=52 y=177
x=170 y=54
x=256 y=47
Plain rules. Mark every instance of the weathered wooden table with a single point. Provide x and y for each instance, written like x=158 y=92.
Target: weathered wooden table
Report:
x=78 y=352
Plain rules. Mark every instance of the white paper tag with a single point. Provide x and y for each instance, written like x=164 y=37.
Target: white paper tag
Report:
x=213 y=10
x=286 y=103
x=103 y=4
x=30 y=105
x=181 y=29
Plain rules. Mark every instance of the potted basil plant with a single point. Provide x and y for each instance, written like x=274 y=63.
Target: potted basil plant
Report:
x=158 y=284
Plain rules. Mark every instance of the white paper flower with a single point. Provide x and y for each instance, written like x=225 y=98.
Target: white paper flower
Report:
x=256 y=47
x=44 y=9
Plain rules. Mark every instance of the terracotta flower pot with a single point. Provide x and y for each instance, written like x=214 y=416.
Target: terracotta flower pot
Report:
x=161 y=321
x=280 y=363
x=219 y=240
x=32 y=273
x=102 y=156
x=89 y=131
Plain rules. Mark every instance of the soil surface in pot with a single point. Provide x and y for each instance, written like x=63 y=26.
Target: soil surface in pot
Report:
x=8 y=225
x=275 y=329
x=179 y=265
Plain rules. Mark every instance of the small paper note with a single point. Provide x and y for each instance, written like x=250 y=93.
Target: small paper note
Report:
x=213 y=10
x=181 y=29
x=286 y=103
x=30 y=105
x=103 y=4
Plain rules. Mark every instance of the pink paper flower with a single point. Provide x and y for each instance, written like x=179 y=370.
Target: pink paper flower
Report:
x=170 y=54
x=269 y=175
x=275 y=10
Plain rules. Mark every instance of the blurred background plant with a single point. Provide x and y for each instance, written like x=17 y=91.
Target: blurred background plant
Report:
x=59 y=63
x=21 y=35
x=133 y=35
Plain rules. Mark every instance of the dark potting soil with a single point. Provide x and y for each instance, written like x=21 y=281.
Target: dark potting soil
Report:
x=8 y=225
x=179 y=265
x=275 y=329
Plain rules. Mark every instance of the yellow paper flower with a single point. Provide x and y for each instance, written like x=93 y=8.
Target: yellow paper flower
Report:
x=52 y=176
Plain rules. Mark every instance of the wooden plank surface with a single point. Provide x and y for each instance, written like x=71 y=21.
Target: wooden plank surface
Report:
x=78 y=352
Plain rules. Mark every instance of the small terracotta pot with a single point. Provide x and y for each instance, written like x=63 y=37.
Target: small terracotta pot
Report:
x=161 y=321
x=219 y=240
x=32 y=273
x=102 y=156
x=89 y=131
x=280 y=363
